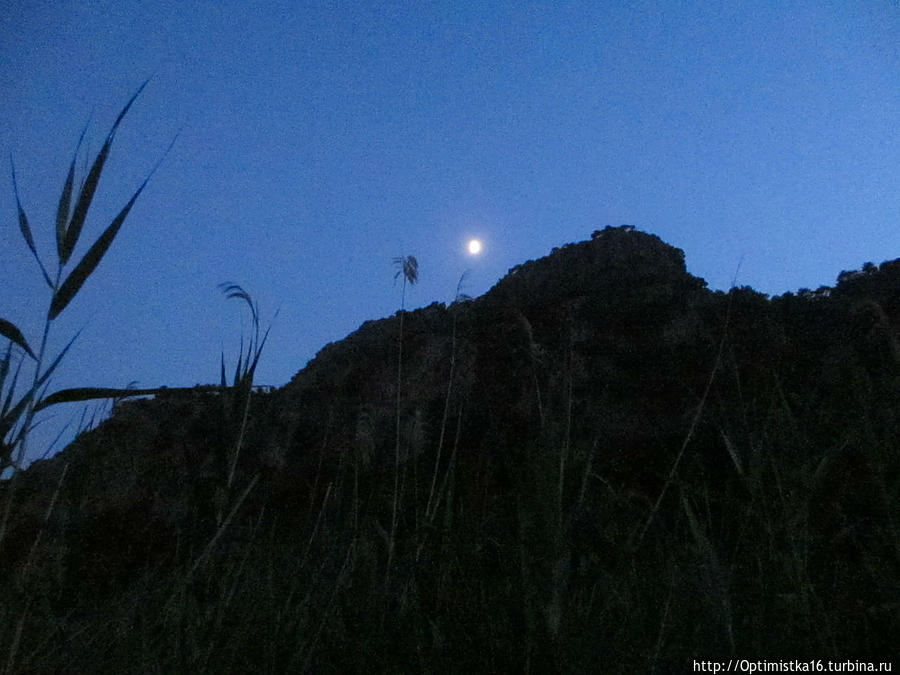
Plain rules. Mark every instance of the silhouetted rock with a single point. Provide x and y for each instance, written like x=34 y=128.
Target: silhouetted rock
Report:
x=597 y=419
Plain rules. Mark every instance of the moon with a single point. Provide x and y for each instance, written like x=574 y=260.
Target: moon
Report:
x=474 y=247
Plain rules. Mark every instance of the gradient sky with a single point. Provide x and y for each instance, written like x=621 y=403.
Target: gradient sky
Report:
x=317 y=141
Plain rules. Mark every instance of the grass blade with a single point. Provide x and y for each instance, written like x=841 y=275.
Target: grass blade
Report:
x=91 y=259
x=8 y=419
x=84 y=202
x=9 y=331
x=65 y=200
x=26 y=228
x=232 y=290
x=237 y=370
x=258 y=352
x=90 y=187
x=12 y=385
x=733 y=453
x=90 y=393
x=59 y=357
x=4 y=365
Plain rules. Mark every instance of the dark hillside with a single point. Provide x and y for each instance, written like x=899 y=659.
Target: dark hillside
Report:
x=599 y=465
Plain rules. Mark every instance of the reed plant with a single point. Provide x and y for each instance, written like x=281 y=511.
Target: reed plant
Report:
x=407 y=269
x=235 y=417
x=238 y=395
x=434 y=498
x=64 y=280
x=21 y=396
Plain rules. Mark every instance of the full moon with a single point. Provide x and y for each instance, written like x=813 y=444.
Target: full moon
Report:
x=474 y=246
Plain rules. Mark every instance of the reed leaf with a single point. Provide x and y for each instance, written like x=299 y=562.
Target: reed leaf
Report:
x=9 y=331
x=4 y=364
x=73 y=231
x=65 y=201
x=246 y=365
x=90 y=393
x=4 y=373
x=232 y=290
x=258 y=352
x=237 y=370
x=8 y=420
x=91 y=259
x=59 y=357
x=26 y=228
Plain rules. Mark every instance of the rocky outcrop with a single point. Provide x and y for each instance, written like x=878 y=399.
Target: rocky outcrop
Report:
x=612 y=258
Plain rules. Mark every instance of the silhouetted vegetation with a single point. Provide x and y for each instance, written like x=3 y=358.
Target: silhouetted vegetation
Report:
x=598 y=466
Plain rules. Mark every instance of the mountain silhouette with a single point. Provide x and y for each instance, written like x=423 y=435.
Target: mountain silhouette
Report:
x=599 y=464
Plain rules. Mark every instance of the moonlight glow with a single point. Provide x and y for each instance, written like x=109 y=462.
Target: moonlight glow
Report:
x=474 y=246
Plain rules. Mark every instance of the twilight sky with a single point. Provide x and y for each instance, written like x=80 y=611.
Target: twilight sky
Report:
x=318 y=140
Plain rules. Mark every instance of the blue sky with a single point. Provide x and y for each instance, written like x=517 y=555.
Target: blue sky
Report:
x=317 y=141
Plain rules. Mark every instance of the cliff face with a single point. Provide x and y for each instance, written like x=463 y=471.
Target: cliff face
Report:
x=585 y=409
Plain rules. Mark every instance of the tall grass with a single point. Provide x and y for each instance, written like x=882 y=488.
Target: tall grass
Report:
x=64 y=280
x=433 y=502
x=408 y=270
